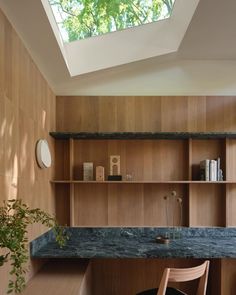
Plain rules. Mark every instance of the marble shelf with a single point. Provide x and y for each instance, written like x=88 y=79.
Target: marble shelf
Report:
x=138 y=243
x=142 y=135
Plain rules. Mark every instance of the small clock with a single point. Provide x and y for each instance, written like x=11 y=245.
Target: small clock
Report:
x=43 y=154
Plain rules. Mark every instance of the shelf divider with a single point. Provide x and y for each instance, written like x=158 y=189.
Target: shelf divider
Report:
x=72 y=195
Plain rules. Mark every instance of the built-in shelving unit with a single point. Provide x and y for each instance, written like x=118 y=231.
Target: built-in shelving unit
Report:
x=159 y=164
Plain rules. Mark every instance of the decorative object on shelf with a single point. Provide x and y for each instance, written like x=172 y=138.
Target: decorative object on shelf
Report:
x=175 y=203
x=114 y=177
x=115 y=168
x=210 y=170
x=162 y=240
x=87 y=171
x=14 y=220
x=115 y=165
x=100 y=173
x=43 y=154
x=129 y=177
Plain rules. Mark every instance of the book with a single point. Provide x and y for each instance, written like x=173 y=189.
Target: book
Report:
x=205 y=170
x=218 y=169
x=221 y=178
x=213 y=170
x=87 y=171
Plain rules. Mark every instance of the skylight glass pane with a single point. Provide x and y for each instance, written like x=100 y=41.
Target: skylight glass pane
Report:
x=80 y=19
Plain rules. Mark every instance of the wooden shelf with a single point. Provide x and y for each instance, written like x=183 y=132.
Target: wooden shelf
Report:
x=158 y=167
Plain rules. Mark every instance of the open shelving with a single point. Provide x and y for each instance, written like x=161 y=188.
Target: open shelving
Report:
x=159 y=164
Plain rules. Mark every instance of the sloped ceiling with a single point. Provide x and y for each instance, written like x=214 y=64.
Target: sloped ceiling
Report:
x=204 y=64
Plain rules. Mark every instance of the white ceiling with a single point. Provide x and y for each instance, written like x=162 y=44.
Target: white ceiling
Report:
x=205 y=61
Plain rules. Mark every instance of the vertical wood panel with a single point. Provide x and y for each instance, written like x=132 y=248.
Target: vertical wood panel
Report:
x=231 y=159
x=146 y=113
x=207 y=205
x=174 y=113
x=91 y=205
x=27 y=113
x=123 y=197
x=130 y=276
x=228 y=276
x=161 y=212
x=231 y=204
x=197 y=115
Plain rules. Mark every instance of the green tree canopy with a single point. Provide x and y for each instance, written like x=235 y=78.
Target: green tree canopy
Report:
x=86 y=18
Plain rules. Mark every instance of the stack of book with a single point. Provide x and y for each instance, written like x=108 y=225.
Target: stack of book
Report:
x=210 y=170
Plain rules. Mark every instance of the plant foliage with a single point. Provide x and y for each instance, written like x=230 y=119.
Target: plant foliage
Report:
x=86 y=18
x=14 y=219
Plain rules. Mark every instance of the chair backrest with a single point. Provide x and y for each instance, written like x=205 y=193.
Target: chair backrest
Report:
x=185 y=274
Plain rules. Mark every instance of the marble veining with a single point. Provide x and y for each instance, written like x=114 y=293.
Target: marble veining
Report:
x=138 y=243
x=142 y=135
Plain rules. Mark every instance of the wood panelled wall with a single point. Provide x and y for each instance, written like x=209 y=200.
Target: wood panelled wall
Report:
x=140 y=113
x=27 y=113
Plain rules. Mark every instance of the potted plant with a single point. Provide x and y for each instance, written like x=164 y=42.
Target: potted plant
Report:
x=15 y=216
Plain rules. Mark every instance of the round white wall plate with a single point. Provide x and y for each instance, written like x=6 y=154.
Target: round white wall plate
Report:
x=43 y=154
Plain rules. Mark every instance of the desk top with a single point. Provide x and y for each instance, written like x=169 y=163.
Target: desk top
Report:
x=138 y=243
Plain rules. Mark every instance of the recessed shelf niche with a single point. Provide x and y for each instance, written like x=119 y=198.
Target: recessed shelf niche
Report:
x=159 y=163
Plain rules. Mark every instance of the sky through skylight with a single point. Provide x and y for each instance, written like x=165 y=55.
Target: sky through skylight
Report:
x=80 y=19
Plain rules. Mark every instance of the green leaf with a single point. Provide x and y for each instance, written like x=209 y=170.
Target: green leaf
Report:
x=14 y=219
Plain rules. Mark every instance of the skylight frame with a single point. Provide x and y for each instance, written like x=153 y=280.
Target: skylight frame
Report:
x=122 y=47
x=64 y=34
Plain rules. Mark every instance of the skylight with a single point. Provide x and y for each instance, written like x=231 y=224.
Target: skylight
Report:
x=80 y=19
x=106 y=50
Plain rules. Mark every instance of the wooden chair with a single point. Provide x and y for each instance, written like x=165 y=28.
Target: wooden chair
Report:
x=181 y=275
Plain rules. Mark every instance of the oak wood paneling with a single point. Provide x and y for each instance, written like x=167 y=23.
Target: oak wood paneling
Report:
x=230 y=159
x=121 y=197
x=146 y=113
x=105 y=204
x=228 y=276
x=130 y=276
x=91 y=205
x=231 y=204
x=27 y=113
x=207 y=205
x=144 y=159
x=60 y=277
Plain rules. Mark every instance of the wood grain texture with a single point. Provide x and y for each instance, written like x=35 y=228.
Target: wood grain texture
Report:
x=207 y=205
x=161 y=212
x=104 y=204
x=62 y=159
x=130 y=276
x=231 y=205
x=27 y=113
x=63 y=211
x=146 y=113
x=91 y=205
x=144 y=159
x=60 y=277
x=228 y=276
x=230 y=159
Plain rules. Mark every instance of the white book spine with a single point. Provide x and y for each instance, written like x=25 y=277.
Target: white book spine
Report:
x=218 y=169
x=213 y=170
